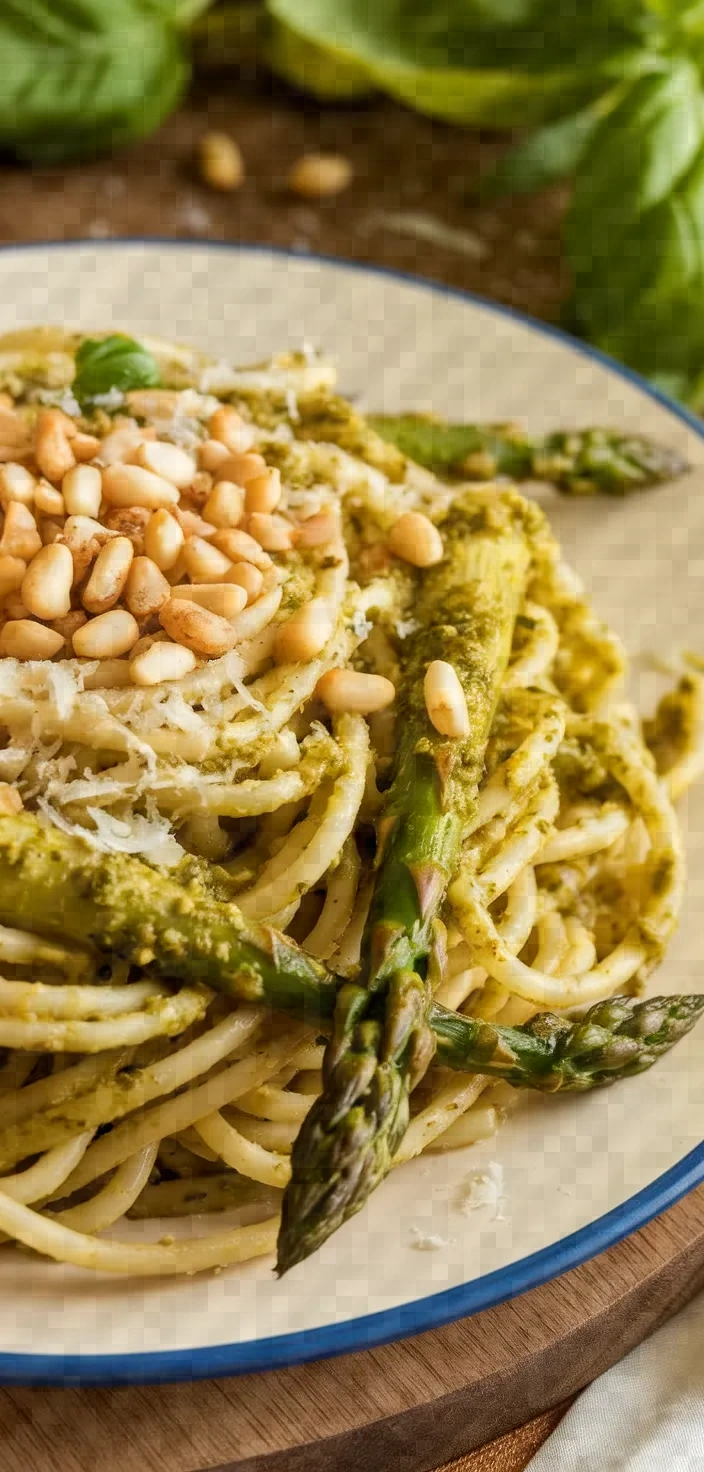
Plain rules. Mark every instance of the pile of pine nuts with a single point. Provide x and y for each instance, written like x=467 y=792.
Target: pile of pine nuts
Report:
x=139 y=554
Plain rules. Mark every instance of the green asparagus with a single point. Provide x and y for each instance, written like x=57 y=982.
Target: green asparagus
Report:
x=382 y=1042
x=584 y=462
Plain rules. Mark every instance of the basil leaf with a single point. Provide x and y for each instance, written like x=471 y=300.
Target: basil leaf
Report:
x=546 y=157
x=112 y=362
x=82 y=76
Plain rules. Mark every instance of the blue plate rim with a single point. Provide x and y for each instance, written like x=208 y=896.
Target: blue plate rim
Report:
x=434 y=1310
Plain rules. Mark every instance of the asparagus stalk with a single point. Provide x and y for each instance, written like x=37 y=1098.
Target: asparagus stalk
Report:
x=59 y=885
x=382 y=1041
x=584 y=462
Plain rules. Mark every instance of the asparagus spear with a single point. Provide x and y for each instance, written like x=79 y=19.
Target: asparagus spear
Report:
x=584 y=462
x=382 y=1042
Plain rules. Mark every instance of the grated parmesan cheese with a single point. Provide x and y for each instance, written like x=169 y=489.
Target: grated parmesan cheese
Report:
x=429 y=1241
x=485 y=1188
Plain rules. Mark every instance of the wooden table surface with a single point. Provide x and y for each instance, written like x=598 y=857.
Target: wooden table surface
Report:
x=405 y=167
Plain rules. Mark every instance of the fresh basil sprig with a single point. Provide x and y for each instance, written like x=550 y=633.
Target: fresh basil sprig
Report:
x=114 y=362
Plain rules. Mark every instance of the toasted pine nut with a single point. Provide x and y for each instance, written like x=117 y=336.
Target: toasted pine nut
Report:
x=146 y=589
x=240 y=547
x=162 y=662
x=109 y=575
x=107 y=636
x=203 y=632
x=82 y=489
x=111 y=674
x=120 y=445
x=318 y=530
x=131 y=485
x=85 y=447
x=168 y=461
x=191 y=524
x=24 y=639
x=445 y=700
x=16 y=484
x=203 y=562
x=264 y=492
x=415 y=539
x=225 y=504
x=351 y=691
x=10 y=800
x=241 y=468
x=220 y=161
x=248 y=577
x=67 y=626
x=227 y=599
x=272 y=533
x=227 y=426
x=163 y=539
x=20 y=537
x=304 y=634
x=200 y=488
x=320 y=175
x=12 y=571
x=46 y=588
x=211 y=455
x=177 y=573
x=50 y=531
x=152 y=403
x=132 y=522
x=52 y=449
x=146 y=641
x=48 y=500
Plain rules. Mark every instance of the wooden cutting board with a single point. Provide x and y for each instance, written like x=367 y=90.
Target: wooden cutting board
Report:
x=408 y=1407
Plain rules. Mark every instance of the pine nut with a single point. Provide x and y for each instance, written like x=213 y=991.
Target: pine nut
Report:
x=82 y=489
x=10 y=800
x=220 y=161
x=85 y=446
x=320 y=175
x=23 y=639
x=107 y=636
x=84 y=537
x=348 y=690
x=146 y=641
x=111 y=674
x=241 y=468
x=16 y=484
x=13 y=607
x=67 y=626
x=203 y=562
x=264 y=492
x=271 y=532
x=146 y=589
x=211 y=455
x=177 y=573
x=132 y=522
x=163 y=539
x=50 y=531
x=120 y=445
x=229 y=428
x=20 y=537
x=46 y=588
x=318 y=530
x=130 y=485
x=162 y=662
x=191 y=524
x=48 y=500
x=168 y=461
x=203 y=632
x=109 y=575
x=225 y=504
x=248 y=577
x=52 y=449
x=240 y=547
x=445 y=700
x=200 y=488
x=152 y=403
x=227 y=599
x=304 y=634
x=12 y=571
x=415 y=539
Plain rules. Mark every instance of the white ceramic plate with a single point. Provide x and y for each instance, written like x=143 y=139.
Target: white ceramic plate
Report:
x=579 y=1172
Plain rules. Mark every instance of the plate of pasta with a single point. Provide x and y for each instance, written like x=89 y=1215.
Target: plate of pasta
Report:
x=350 y=814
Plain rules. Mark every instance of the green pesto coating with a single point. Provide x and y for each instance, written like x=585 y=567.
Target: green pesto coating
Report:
x=57 y=884
x=584 y=462
x=382 y=1040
